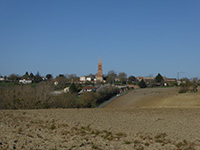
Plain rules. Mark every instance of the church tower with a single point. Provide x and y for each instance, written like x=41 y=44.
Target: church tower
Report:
x=99 y=75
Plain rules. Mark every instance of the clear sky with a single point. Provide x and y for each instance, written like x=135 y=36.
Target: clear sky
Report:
x=139 y=37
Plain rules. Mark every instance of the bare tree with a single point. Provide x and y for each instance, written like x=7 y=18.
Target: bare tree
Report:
x=111 y=76
x=195 y=84
x=14 y=77
x=62 y=82
x=25 y=96
x=123 y=77
x=72 y=77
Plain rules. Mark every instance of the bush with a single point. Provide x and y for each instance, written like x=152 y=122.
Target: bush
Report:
x=64 y=100
x=39 y=97
x=187 y=86
x=88 y=100
x=106 y=94
x=183 y=89
x=25 y=97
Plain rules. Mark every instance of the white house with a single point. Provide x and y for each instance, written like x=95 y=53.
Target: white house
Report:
x=66 y=90
x=85 y=78
x=82 y=79
x=25 y=81
x=2 y=79
x=88 y=78
x=55 y=83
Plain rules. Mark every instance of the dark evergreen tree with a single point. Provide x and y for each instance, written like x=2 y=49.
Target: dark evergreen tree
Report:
x=159 y=78
x=31 y=76
x=25 y=76
x=132 y=80
x=49 y=76
x=61 y=75
x=142 y=84
x=73 y=88
x=37 y=78
x=5 y=78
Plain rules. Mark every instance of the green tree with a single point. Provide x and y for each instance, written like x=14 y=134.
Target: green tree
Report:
x=49 y=76
x=159 y=78
x=37 y=78
x=31 y=76
x=61 y=75
x=5 y=77
x=25 y=76
x=132 y=80
x=142 y=84
x=73 y=88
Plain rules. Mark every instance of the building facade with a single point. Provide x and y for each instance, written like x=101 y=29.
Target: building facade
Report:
x=86 y=78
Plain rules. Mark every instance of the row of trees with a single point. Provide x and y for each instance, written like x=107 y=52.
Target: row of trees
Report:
x=159 y=80
x=41 y=96
x=65 y=80
x=38 y=77
x=110 y=78
x=15 y=78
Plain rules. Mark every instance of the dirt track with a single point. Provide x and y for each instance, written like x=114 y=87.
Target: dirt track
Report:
x=156 y=98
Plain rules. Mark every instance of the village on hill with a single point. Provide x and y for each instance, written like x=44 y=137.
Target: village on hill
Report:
x=85 y=91
x=93 y=81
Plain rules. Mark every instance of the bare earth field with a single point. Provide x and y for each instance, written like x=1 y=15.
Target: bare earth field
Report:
x=157 y=98
x=149 y=119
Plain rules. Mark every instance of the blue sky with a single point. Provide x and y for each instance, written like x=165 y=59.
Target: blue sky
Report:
x=68 y=36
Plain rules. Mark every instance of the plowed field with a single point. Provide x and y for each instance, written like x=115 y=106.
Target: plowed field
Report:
x=156 y=98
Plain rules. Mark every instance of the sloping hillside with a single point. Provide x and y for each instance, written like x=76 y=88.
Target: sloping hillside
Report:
x=156 y=98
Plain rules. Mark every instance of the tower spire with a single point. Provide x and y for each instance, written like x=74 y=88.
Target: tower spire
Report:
x=100 y=60
x=99 y=75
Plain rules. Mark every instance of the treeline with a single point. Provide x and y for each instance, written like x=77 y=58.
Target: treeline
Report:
x=15 y=78
x=40 y=97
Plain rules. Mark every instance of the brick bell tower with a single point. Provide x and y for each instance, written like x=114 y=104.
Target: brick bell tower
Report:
x=99 y=75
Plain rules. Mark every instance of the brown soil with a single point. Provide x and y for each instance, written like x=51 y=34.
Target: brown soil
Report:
x=157 y=98
x=161 y=121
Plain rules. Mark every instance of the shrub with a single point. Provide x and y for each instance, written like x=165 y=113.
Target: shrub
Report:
x=39 y=97
x=64 y=100
x=88 y=100
x=106 y=94
x=186 y=86
x=25 y=97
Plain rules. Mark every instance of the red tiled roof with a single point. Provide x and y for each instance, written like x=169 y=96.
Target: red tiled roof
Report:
x=89 y=87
